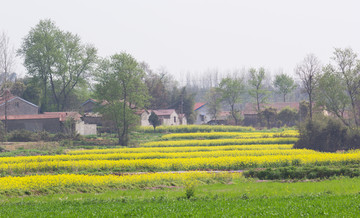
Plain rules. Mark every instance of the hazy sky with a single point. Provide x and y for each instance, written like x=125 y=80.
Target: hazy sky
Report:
x=197 y=35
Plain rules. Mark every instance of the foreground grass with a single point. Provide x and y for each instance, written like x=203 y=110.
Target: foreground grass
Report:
x=345 y=205
x=338 y=197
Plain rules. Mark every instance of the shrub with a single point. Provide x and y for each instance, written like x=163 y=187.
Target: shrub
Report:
x=287 y=116
x=44 y=136
x=301 y=173
x=190 y=189
x=22 y=136
x=2 y=131
x=327 y=134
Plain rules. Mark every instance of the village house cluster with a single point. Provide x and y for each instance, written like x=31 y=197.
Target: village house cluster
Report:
x=22 y=114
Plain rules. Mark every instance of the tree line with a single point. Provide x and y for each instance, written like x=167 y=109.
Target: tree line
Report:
x=63 y=71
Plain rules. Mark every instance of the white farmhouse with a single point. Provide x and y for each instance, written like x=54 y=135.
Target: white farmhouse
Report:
x=168 y=117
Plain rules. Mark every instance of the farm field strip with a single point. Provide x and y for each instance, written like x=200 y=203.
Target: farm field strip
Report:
x=200 y=163
x=36 y=182
x=196 y=128
x=182 y=149
x=331 y=198
x=217 y=135
x=217 y=142
x=153 y=155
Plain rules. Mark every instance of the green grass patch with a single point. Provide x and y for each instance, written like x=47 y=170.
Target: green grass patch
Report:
x=336 y=198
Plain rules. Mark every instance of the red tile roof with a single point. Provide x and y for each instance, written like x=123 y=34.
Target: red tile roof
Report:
x=30 y=117
x=62 y=116
x=198 y=105
x=164 y=112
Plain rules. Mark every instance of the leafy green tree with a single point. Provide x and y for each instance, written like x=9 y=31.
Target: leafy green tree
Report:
x=183 y=102
x=231 y=90
x=58 y=59
x=303 y=110
x=256 y=83
x=332 y=95
x=288 y=116
x=269 y=114
x=154 y=120
x=284 y=84
x=40 y=52
x=346 y=68
x=32 y=92
x=213 y=102
x=18 y=88
x=120 y=85
x=158 y=84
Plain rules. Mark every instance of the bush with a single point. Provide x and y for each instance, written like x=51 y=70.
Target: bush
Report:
x=287 y=116
x=2 y=131
x=44 y=136
x=301 y=173
x=22 y=136
x=190 y=189
x=327 y=134
x=27 y=136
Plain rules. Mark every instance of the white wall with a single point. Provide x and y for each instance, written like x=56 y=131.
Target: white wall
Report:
x=85 y=129
x=145 y=119
x=202 y=112
x=166 y=122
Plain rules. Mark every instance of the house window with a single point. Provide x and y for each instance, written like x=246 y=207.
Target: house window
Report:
x=16 y=104
x=202 y=118
x=174 y=119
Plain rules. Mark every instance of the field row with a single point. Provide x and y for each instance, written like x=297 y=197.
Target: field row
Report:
x=154 y=155
x=217 y=142
x=182 y=149
x=196 y=128
x=38 y=182
x=200 y=163
x=217 y=135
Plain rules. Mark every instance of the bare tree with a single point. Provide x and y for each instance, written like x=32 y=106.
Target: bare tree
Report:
x=6 y=64
x=309 y=71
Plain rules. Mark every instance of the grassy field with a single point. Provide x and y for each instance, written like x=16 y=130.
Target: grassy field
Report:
x=333 y=198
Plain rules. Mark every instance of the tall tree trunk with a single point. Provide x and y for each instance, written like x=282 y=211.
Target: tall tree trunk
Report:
x=310 y=106
x=124 y=132
x=257 y=101
x=54 y=93
x=234 y=115
x=44 y=101
x=354 y=112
